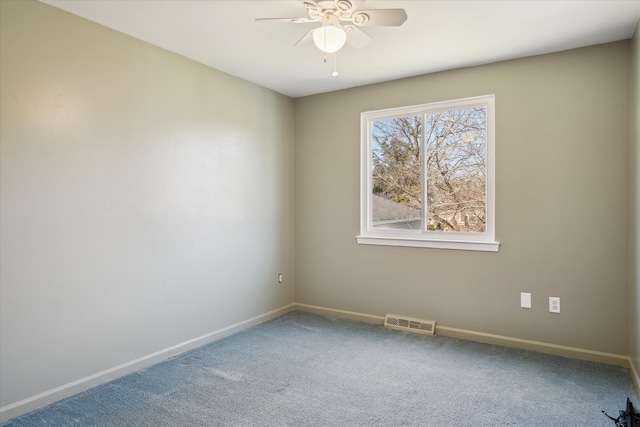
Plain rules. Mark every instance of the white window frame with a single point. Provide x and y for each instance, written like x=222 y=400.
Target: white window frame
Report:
x=421 y=238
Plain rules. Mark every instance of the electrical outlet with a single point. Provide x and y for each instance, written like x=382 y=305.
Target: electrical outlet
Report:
x=554 y=304
x=279 y=277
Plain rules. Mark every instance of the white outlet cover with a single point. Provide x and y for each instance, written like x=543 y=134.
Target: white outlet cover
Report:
x=554 y=304
x=525 y=300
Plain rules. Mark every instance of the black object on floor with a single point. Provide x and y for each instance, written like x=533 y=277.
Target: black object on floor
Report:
x=628 y=418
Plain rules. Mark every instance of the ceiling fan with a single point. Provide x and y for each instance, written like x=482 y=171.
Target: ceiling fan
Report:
x=340 y=21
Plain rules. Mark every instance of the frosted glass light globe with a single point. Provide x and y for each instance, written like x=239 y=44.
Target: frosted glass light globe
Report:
x=329 y=38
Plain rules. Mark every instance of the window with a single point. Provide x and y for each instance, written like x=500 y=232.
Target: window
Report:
x=428 y=175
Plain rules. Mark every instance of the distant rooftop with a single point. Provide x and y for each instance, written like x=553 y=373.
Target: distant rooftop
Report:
x=387 y=210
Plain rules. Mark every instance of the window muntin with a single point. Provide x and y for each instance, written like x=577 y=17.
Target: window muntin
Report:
x=428 y=175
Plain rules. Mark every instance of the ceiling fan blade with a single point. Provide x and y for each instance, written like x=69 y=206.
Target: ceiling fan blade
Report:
x=287 y=20
x=356 y=37
x=304 y=39
x=379 y=17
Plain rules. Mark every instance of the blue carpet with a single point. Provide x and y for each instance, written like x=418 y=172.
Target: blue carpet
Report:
x=303 y=369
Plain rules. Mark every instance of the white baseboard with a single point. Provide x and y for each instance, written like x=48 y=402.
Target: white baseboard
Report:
x=69 y=389
x=34 y=402
x=634 y=375
x=539 y=346
x=342 y=314
x=542 y=347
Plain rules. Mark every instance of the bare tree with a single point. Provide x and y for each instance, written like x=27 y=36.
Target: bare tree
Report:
x=455 y=157
x=397 y=162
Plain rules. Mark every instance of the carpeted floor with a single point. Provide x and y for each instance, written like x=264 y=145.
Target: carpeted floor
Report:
x=307 y=370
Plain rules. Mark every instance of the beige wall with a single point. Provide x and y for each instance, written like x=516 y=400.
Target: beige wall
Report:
x=562 y=191
x=147 y=200
x=634 y=295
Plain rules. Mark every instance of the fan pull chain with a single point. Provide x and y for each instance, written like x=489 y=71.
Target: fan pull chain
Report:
x=335 y=65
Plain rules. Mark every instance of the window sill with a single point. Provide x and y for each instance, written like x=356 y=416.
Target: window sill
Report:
x=435 y=244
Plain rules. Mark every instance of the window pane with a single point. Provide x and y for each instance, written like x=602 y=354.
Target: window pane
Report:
x=396 y=173
x=456 y=156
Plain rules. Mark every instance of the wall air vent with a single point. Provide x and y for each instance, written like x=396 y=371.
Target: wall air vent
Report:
x=402 y=323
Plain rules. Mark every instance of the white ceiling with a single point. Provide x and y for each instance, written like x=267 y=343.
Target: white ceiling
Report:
x=438 y=35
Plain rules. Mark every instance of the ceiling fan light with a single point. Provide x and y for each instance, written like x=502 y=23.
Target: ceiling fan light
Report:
x=329 y=38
